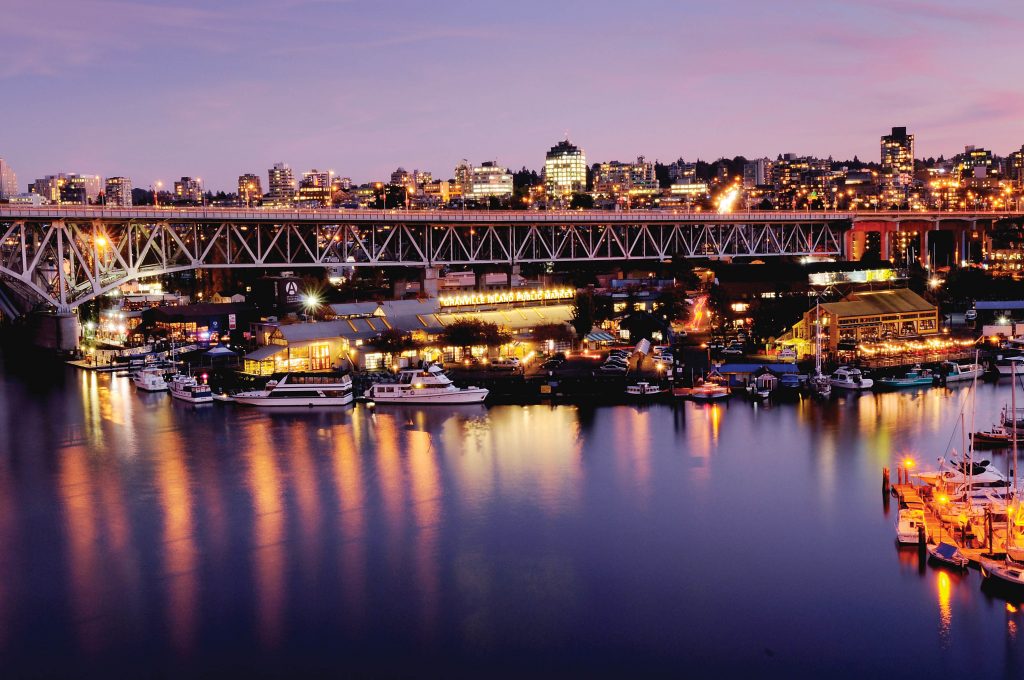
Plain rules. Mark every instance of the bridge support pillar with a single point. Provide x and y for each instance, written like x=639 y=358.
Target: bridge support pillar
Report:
x=431 y=281
x=59 y=332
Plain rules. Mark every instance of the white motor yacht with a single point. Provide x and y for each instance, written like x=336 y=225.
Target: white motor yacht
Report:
x=301 y=389
x=907 y=524
x=645 y=390
x=1006 y=570
x=847 y=378
x=424 y=386
x=150 y=380
x=187 y=388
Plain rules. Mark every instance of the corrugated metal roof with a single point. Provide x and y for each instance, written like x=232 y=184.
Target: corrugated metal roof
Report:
x=879 y=302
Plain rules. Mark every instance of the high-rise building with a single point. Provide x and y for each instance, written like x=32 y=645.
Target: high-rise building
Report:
x=281 y=184
x=315 y=188
x=188 y=190
x=489 y=179
x=756 y=173
x=250 y=190
x=565 y=170
x=8 y=180
x=118 y=192
x=620 y=179
x=463 y=176
x=898 y=156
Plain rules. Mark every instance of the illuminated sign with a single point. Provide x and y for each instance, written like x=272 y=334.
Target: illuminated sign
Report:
x=859 y=276
x=534 y=295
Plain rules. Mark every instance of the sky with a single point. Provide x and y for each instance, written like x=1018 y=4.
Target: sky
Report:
x=156 y=90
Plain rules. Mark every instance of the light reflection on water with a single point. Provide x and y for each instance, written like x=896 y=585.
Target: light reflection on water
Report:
x=595 y=537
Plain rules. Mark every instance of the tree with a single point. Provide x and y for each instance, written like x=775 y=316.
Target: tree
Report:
x=466 y=333
x=395 y=341
x=583 y=313
x=556 y=332
x=673 y=305
x=585 y=201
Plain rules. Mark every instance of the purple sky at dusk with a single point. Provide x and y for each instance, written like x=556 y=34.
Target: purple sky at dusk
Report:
x=157 y=90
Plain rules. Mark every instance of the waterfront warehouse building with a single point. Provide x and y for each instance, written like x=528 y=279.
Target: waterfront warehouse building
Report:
x=869 y=316
x=565 y=170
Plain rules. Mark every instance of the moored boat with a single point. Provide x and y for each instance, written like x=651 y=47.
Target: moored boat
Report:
x=951 y=371
x=948 y=554
x=150 y=380
x=301 y=389
x=999 y=436
x=847 y=378
x=424 y=386
x=909 y=523
x=710 y=391
x=916 y=377
x=645 y=390
x=187 y=388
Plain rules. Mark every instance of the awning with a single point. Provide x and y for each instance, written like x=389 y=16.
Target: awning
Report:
x=264 y=353
x=600 y=336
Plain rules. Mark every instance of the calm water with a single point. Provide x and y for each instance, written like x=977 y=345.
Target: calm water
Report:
x=141 y=533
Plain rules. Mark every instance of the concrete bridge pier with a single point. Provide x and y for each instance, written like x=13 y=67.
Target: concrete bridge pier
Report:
x=57 y=331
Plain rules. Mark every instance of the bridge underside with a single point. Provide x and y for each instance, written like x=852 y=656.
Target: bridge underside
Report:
x=65 y=262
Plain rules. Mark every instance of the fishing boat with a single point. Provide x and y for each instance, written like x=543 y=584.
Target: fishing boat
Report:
x=915 y=377
x=645 y=390
x=150 y=380
x=847 y=378
x=301 y=389
x=187 y=388
x=948 y=554
x=424 y=386
x=997 y=437
x=908 y=523
x=951 y=371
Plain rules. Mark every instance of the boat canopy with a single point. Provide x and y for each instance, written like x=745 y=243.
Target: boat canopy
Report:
x=946 y=550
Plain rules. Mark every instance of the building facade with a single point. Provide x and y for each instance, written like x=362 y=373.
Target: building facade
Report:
x=489 y=180
x=614 y=179
x=898 y=156
x=188 y=190
x=8 y=181
x=565 y=170
x=281 y=182
x=315 y=188
x=71 y=188
x=250 y=190
x=118 y=192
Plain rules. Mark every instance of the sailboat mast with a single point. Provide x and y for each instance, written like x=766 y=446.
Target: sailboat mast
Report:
x=1013 y=408
x=817 y=335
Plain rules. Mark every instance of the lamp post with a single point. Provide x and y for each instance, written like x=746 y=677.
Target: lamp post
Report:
x=156 y=193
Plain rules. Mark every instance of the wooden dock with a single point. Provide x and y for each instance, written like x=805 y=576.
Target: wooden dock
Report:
x=971 y=540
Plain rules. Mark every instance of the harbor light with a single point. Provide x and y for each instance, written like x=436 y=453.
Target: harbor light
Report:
x=934 y=282
x=908 y=463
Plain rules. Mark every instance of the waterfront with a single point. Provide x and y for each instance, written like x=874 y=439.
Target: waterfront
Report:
x=139 y=532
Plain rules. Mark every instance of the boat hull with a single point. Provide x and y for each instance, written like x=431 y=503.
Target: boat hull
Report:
x=276 y=402
x=207 y=399
x=464 y=396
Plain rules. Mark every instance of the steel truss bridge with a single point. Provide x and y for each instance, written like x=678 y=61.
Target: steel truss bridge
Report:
x=67 y=256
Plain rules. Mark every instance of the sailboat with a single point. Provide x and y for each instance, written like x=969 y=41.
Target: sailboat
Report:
x=1009 y=569
x=819 y=383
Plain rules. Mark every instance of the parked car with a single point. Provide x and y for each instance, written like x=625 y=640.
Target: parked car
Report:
x=733 y=350
x=611 y=368
x=551 y=364
x=505 y=364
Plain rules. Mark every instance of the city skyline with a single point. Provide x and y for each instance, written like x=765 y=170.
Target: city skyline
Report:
x=296 y=81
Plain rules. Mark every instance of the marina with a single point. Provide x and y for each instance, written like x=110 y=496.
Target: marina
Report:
x=262 y=500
